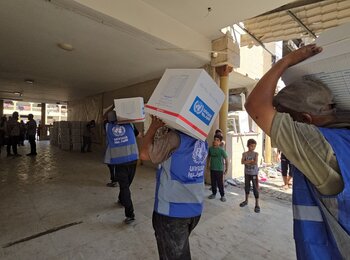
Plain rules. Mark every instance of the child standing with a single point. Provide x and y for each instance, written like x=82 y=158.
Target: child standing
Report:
x=217 y=155
x=250 y=161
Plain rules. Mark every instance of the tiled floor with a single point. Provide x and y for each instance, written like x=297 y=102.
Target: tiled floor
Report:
x=57 y=188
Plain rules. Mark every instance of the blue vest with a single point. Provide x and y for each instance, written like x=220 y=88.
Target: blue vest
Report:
x=312 y=234
x=180 y=180
x=121 y=144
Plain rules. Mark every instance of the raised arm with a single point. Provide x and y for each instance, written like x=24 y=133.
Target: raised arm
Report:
x=259 y=102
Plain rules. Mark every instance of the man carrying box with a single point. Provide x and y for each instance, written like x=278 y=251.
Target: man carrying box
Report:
x=303 y=123
x=179 y=190
x=122 y=155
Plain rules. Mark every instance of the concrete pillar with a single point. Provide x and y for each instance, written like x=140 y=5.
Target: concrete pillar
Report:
x=268 y=150
x=43 y=132
x=224 y=72
x=1 y=107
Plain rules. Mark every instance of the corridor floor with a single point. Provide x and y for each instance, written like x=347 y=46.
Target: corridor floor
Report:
x=57 y=206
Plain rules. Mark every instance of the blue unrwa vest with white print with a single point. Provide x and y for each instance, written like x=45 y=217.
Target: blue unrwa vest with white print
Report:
x=180 y=180
x=121 y=144
x=312 y=234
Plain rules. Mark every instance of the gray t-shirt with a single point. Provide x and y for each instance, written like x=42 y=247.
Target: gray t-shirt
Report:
x=250 y=169
x=306 y=148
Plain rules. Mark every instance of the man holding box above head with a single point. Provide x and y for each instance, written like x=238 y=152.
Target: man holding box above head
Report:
x=179 y=189
x=303 y=123
x=122 y=155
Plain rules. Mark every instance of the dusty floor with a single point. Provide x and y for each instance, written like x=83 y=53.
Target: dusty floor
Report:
x=66 y=190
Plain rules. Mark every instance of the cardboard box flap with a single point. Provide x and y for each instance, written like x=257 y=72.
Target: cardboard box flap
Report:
x=331 y=66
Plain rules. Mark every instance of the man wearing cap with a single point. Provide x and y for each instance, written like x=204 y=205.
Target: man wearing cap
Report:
x=179 y=195
x=303 y=123
x=122 y=155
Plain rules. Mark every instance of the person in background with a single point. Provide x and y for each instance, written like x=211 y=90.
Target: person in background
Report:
x=250 y=161
x=304 y=122
x=287 y=172
x=22 y=133
x=31 y=131
x=87 y=136
x=3 y=132
x=122 y=155
x=38 y=132
x=179 y=192
x=222 y=143
x=13 y=131
x=216 y=158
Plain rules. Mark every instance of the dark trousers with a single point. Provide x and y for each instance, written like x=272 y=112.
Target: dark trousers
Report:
x=124 y=175
x=112 y=170
x=286 y=166
x=31 y=139
x=172 y=235
x=12 y=142
x=254 y=180
x=217 y=180
x=86 y=144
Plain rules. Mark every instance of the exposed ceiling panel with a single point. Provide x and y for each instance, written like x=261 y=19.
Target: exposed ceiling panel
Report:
x=278 y=26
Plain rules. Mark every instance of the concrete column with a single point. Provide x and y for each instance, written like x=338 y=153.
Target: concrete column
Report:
x=268 y=149
x=224 y=72
x=1 y=107
x=43 y=132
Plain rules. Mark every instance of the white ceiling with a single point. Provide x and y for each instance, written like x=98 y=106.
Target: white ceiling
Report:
x=109 y=52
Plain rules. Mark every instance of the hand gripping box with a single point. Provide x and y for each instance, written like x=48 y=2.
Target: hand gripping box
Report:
x=187 y=100
x=129 y=110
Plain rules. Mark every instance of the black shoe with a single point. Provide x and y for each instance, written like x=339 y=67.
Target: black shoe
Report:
x=211 y=196
x=243 y=204
x=112 y=184
x=9 y=155
x=17 y=155
x=31 y=154
x=129 y=220
x=257 y=209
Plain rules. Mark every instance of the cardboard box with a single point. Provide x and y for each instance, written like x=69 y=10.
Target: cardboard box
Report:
x=187 y=100
x=331 y=66
x=129 y=110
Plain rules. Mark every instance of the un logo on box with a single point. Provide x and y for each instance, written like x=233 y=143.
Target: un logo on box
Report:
x=201 y=110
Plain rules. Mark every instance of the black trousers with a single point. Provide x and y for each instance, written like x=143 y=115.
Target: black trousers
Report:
x=125 y=174
x=286 y=166
x=31 y=139
x=254 y=180
x=86 y=144
x=217 y=180
x=172 y=235
x=112 y=170
x=12 y=142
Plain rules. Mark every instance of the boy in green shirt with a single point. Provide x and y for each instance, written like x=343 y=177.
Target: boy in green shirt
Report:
x=217 y=156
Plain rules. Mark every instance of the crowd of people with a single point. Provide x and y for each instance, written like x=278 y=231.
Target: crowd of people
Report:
x=13 y=133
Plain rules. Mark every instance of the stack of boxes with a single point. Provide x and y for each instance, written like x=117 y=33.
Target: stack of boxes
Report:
x=76 y=134
x=64 y=137
x=54 y=134
x=68 y=135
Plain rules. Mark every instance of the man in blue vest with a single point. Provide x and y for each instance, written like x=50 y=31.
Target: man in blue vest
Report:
x=304 y=124
x=122 y=155
x=179 y=189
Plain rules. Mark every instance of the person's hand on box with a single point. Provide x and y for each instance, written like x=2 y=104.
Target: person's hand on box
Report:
x=156 y=123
